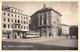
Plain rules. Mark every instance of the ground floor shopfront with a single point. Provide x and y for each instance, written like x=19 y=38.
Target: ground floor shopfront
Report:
x=13 y=34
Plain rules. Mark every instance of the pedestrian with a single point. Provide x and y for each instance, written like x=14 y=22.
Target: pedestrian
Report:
x=66 y=36
x=71 y=35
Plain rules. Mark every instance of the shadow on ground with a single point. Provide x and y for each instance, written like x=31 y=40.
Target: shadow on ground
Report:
x=32 y=46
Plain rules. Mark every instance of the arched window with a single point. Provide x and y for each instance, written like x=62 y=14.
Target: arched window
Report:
x=8 y=26
x=4 y=25
x=4 y=13
x=24 y=27
x=12 y=15
x=8 y=14
x=15 y=20
x=44 y=20
x=40 y=19
x=4 y=19
x=18 y=21
x=12 y=20
x=24 y=22
x=15 y=15
x=8 y=20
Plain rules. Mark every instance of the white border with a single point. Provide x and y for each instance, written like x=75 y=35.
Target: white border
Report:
x=38 y=50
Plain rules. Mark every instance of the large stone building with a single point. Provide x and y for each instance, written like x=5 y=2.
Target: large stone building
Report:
x=15 y=24
x=46 y=21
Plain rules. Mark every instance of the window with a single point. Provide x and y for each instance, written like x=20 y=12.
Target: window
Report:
x=15 y=20
x=24 y=22
x=21 y=21
x=8 y=14
x=54 y=22
x=4 y=25
x=45 y=15
x=12 y=9
x=40 y=19
x=21 y=12
x=21 y=26
x=21 y=16
x=18 y=11
x=24 y=27
x=27 y=27
x=44 y=30
x=12 y=20
x=15 y=26
x=15 y=15
x=44 y=20
x=12 y=26
x=8 y=20
x=8 y=26
x=4 y=19
x=27 y=22
x=18 y=21
x=12 y=15
x=4 y=13
x=18 y=16
x=18 y=27
x=26 y=18
x=15 y=10
x=58 y=19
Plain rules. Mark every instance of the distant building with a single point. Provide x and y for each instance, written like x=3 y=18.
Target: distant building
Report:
x=74 y=30
x=15 y=24
x=65 y=29
x=46 y=21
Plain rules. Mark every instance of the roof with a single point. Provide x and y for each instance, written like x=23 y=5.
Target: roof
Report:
x=8 y=7
x=47 y=9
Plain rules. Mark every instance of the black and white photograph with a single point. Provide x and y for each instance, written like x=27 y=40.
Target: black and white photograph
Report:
x=39 y=25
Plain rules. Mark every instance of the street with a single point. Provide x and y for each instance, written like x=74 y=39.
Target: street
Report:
x=42 y=43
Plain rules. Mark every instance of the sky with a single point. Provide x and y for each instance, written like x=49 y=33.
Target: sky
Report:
x=68 y=10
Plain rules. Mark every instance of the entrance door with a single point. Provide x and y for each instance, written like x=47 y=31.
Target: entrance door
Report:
x=49 y=34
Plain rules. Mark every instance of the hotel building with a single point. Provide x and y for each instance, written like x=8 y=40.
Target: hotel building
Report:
x=15 y=24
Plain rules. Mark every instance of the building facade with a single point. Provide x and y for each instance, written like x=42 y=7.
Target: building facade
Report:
x=74 y=30
x=46 y=21
x=15 y=24
x=65 y=29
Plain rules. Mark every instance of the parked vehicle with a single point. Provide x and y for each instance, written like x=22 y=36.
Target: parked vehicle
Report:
x=31 y=34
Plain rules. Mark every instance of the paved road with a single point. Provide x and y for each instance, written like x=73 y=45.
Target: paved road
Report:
x=48 y=43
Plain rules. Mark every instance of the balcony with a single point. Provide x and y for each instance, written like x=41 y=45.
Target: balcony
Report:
x=16 y=24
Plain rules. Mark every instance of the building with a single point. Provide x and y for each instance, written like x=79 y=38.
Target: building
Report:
x=15 y=23
x=46 y=21
x=74 y=30
x=65 y=29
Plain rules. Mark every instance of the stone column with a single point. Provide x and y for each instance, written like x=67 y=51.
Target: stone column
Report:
x=42 y=20
x=41 y=31
x=47 y=19
x=51 y=30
